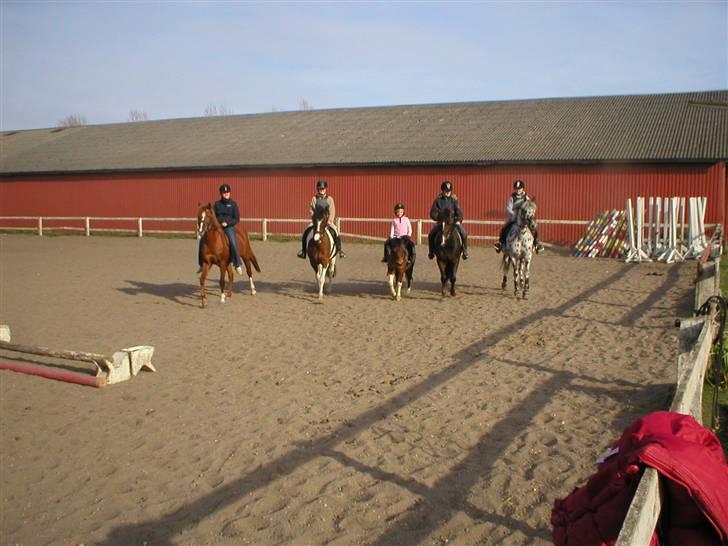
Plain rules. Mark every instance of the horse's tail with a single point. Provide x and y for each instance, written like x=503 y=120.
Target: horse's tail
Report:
x=504 y=262
x=254 y=261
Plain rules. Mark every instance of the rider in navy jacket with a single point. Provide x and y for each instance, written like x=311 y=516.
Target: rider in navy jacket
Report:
x=228 y=214
x=446 y=200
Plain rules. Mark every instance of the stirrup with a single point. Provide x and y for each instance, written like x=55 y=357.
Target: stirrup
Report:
x=301 y=254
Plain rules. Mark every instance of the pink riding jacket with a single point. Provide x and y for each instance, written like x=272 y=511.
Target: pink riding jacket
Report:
x=400 y=227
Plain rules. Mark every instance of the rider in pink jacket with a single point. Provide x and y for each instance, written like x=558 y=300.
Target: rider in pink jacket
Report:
x=401 y=228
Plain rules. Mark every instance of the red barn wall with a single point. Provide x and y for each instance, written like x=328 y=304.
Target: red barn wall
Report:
x=563 y=192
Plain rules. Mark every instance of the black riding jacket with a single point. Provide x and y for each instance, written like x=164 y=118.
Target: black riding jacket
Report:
x=226 y=210
x=443 y=202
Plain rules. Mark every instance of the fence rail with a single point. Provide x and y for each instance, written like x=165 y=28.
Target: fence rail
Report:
x=139 y=225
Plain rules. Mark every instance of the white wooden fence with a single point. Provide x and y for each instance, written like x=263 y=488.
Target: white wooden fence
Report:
x=85 y=225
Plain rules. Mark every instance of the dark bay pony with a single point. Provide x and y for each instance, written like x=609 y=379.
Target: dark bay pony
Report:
x=448 y=249
x=321 y=250
x=215 y=250
x=518 y=250
x=398 y=266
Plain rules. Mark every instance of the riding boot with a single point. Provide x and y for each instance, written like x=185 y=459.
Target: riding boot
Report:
x=502 y=237
x=337 y=243
x=430 y=244
x=302 y=253
x=536 y=243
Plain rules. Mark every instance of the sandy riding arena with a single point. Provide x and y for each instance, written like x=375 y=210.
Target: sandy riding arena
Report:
x=278 y=419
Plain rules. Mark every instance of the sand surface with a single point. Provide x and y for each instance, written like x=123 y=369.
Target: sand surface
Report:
x=276 y=419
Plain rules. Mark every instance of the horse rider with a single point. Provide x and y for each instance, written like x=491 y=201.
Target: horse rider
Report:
x=446 y=200
x=322 y=198
x=228 y=214
x=401 y=228
x=515 y=201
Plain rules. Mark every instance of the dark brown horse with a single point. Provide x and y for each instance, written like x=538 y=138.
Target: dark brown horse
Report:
x=215 y=250
x=448 y=248
x=398 y=266
x=321 y=250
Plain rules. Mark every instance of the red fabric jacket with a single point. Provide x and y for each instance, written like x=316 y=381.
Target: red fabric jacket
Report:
x=693 y=465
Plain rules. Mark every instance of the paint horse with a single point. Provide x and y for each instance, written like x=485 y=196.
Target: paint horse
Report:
x=321 y=250
x=399 y=266
x=518 y=250
x=215 y=250
x=448 y=249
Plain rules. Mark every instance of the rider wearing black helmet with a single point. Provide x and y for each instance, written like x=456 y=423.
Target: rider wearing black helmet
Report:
x=322 y=198
x=446 y=200
x=515 y=201
x=228 y=214
x=401 y=228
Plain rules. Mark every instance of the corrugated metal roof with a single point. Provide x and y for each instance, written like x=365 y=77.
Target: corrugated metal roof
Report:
x=668 y=127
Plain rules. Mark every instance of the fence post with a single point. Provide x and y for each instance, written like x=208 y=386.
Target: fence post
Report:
x=88 y=226
x=419 y=231
x=265 y=229
x=40 y=226
x=141 y=229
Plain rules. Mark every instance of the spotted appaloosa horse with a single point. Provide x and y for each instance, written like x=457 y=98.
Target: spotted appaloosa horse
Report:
x=398 y=266
x=518 y=250
x=321 y=250
x=448 y=249
x=215 y=250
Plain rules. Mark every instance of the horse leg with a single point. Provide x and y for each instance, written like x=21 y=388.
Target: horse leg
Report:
x=223 y=270
x=516 y=272
x=452 y=282
x=390 y=282
x=203 y=277
x=249 y=271
x=505 y=266
x=526 y=284
x=400 y=278
x=320 y=280
x=443 y=278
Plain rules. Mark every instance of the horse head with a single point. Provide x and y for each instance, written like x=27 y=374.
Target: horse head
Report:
x=319 y=219
x=527 y=214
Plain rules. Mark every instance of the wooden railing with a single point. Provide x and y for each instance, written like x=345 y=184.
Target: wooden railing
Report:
x=696 y=340
x=85 y=225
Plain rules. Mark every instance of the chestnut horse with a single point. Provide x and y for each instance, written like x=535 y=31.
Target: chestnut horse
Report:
x=215 y=250
x=321 y=250
x=399 y=266
x=448 y=247
x=518 y=250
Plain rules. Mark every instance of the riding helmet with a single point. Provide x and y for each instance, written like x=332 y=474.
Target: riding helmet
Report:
x=446 y=186
x=519 y=185
x=398 y=206
x=321 y=184
x=224 y=188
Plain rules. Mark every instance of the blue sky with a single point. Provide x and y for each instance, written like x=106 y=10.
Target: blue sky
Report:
x=172 y=59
